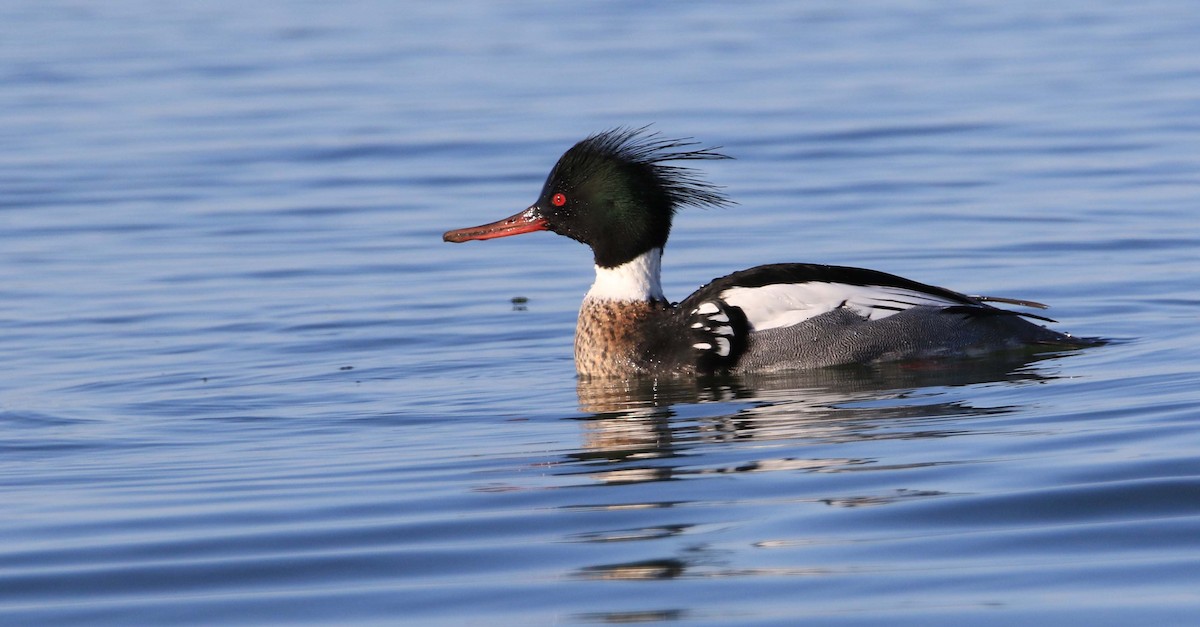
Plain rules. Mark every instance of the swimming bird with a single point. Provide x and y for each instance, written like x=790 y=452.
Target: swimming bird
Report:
x=617 y=192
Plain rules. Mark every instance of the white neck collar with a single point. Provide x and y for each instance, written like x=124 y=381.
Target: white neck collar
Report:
x=636 y=280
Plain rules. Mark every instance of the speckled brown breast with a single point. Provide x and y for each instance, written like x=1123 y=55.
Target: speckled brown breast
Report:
x=611 y=335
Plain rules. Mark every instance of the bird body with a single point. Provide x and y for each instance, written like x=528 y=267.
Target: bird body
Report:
x=613 y=192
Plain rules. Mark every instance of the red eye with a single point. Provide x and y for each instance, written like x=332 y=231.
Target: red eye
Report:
x=558 y=200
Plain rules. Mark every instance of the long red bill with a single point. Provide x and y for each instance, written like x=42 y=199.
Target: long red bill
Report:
x=527 y=221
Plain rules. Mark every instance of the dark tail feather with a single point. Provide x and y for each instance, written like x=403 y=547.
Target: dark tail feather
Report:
x=985 y=310
x=1011 y=301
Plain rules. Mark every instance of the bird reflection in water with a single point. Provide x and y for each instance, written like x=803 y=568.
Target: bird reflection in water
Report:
x=641 y=420
x=642 y=431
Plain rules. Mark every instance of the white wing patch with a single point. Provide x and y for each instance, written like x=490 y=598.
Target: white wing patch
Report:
x=786 y=304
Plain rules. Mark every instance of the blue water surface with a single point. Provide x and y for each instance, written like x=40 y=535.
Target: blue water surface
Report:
x=246 y=382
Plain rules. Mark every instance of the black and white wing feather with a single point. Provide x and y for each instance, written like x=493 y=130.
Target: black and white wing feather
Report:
x=718 y=335
x=783 y=295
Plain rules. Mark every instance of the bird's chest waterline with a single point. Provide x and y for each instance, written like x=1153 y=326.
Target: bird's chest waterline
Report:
x=612 y=337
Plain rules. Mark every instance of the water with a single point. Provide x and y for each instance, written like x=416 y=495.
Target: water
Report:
x=247 y=383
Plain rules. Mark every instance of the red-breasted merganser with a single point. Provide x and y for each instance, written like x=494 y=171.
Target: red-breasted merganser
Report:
x=613 y=192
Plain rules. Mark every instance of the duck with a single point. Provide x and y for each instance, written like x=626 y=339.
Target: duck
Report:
x=617 y=191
